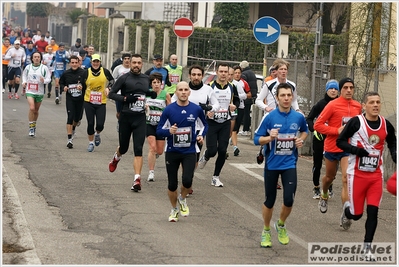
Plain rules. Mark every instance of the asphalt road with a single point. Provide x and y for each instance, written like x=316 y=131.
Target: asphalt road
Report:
x=63 y=206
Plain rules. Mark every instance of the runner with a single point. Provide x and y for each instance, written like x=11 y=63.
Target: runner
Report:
x=132 y=121
x=219 y=123
x=278 y=132
x=183 y=124
x=99 y=80
x=61 y=60
x=154 y=109
x=73 y=84
x=331 y=122
x=15 y=56
x=367 y=134
x=34 y=77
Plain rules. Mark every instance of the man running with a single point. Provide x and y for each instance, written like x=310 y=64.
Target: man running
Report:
x=16 y=56
x=73 y=84
x=278 y=131
x=367 y=134
x=183 y=124
x=34 y=77
x=219 y=123
x=158 y=67
x=60 y=62
x=175 y=74
x=331 y=122
x=134 y=87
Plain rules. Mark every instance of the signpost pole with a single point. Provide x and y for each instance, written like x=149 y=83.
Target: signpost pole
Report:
x=181 y=49
x=265 y=63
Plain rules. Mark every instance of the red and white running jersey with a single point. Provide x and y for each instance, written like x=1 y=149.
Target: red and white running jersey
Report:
x=373 y=141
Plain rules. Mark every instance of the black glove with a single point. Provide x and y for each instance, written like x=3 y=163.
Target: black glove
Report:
x=152 y=94
x=361 y=152
x=205 y=107
x=259 y=157
x=131 y=98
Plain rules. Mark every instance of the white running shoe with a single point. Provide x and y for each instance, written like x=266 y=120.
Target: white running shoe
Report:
x=150 y=176
x=202 y=162
x=216 y=181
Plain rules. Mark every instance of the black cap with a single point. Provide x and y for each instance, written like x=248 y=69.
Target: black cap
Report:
x=79 y=40
x=157 y=56
x=345 y=80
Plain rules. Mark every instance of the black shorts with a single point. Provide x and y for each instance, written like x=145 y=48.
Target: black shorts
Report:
x=152 y=131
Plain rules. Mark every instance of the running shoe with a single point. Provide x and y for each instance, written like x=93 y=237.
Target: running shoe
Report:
x=282 y=234
x=32 y=132
x=113 y=164
x=174 y=215
x=48 y=95
x=97 y=139
x=57 y=100
x=216 y=181
x=73 y=134
x=16 y=96
x=184 y=210
x=150 y=176
x=366 y=255
x=266 y=241
x=202 y=162
x=69 y=144
x=323 y=205
x=345 y=222
x=136 y=185
x=9 y=95
x=90 y=148
x=236 y=151
x=316 y=192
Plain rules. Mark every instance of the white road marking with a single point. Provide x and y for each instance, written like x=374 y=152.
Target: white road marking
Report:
x=244 y=167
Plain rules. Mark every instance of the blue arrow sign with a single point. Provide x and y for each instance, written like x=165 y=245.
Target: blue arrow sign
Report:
x=267 y=30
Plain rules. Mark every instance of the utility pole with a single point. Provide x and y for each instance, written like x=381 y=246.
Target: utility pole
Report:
x=319 y=33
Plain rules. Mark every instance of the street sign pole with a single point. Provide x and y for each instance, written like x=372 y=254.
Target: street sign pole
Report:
x=183 y=28
x=265 y=64
x=267 y=30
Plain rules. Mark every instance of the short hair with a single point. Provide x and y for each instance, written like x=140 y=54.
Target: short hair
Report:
x=74 y=57
x=156 y=76
x=196 y=67
x=137 y=55
x=37 y=52
x=237 y=67
x=126 y=55
x=222 y=65
x=284 y=86
x=85 y=46
x=52 y=39
x=279 y=62
x=368 y=94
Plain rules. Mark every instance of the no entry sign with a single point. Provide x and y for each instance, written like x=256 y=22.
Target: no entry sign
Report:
x=183 y=27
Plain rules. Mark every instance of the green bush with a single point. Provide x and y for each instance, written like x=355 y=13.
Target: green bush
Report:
x=97 y=33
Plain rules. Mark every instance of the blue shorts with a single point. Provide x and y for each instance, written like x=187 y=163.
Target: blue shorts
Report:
x=332 y=156
x=58 y=73
x=13 y=73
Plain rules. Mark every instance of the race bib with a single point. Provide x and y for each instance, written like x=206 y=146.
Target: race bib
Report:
x=73 y=90
x=174 y=79
x=182 y=137
x=59 y=66
x=139 y=105
x=16 y=61
x=96 y=98
x=32 y=87
x=154 y=116
x=285 y=144
x=370 y=162
x=221 y=115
